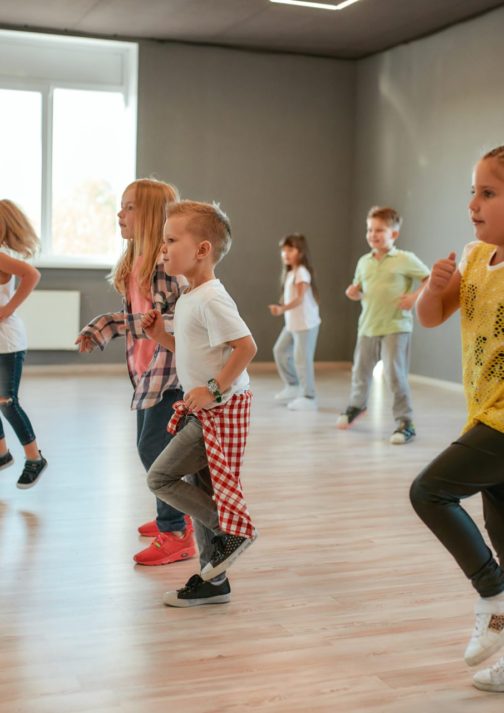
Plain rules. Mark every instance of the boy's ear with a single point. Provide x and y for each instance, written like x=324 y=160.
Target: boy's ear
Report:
x=204 y=248
x=395 y=234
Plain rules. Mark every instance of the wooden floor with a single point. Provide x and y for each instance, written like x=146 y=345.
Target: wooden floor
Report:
x=346 y=603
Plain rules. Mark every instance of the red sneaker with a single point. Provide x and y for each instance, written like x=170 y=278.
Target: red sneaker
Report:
x=150 y=529
x=167 y=548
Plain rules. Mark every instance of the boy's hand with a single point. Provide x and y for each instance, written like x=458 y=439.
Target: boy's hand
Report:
x=85 y=343
x=407 y=301
x=442 y=272
x=152 y=324
x=197 y=398
x=276 y=310
x=354 y=292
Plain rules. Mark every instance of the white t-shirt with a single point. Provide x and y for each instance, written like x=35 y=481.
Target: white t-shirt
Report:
x=12 y=330
x=306 y=315
x=205 y=319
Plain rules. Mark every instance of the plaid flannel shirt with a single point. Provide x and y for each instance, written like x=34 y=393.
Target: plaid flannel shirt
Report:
x=160 y=375
x=225 y=431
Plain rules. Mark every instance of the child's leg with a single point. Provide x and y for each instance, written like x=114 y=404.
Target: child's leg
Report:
x=471 y=464
x=467 y=467
x=203 y=535
x=396 y=359
x=152 y=439
x=184 y=454
x=366 y=356
x=283 y=352
x=493 y=511
x=305 y=343
x=11 y=368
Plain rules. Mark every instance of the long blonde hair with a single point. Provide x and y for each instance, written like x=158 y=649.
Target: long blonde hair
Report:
x=16 y=231
x=151 y=200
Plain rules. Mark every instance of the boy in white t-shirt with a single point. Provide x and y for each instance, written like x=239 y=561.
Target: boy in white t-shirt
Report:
x=213 y=347
x=294 y=350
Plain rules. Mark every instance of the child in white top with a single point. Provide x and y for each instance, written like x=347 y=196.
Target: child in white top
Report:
x=213 y=346
x=16 y=235
x=294 y=350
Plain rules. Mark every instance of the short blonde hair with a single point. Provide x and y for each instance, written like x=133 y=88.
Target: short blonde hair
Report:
x=498 y=155
x=389 y=216
x=16 y=231
x=207 y=221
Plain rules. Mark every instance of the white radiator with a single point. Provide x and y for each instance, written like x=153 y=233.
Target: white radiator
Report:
x=51 y=318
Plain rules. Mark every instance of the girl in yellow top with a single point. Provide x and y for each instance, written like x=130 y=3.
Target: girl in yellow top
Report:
x=475 y=461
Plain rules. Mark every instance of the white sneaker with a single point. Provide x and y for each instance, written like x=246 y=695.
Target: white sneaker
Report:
x=302 y=404
x=287 y=394
x=488 y=633
x=491 y=679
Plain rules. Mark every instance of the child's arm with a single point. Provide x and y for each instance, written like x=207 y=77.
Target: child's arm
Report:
x=441 y=296
x=28 y=279
x=101 y=330
x=277 y=310
x=154 y=327
x=354 y=292
x=408 y=300
x=244 y=350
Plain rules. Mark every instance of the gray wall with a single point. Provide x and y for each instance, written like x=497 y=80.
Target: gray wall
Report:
x=425 y=113
x=291 y=143
x=270 y=137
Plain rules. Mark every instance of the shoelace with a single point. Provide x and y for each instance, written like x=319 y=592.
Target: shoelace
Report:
x=481 y=624
x=498 y=666
x=191 y=584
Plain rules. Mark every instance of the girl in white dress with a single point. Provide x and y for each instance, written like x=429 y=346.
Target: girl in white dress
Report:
x=16 y=236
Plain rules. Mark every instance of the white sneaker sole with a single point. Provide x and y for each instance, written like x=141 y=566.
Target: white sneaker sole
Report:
x=170 y=600
x=490 y=687
x=208 y=572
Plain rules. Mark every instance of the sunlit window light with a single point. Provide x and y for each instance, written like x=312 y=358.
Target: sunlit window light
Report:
x=317 y=5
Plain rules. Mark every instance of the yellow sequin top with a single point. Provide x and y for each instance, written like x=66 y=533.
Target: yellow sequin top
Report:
x=482 y=320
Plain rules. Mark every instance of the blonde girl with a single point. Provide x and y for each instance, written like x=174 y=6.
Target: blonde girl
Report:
x=294 y=350
x=140 y=278
x=16 y=236
x=474 y=461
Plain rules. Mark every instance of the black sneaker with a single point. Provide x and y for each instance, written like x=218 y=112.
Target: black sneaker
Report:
x=404 y=432
x=197 y=592
x=226 y=549
x=6 y=460
x=351 y=415
x=32 y=472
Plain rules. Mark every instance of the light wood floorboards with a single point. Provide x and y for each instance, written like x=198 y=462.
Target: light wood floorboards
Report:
x=346 y=603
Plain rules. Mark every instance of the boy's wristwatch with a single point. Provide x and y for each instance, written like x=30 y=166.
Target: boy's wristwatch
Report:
x=213 y=387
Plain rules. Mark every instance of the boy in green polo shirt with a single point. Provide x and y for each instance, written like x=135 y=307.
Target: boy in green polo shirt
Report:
x=383 y=282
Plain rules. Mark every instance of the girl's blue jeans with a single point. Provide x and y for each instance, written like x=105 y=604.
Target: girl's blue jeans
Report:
x=294 y=353
x=11 y=368
x=152 y=439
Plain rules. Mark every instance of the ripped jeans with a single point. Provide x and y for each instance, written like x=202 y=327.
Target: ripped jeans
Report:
x=11 y=367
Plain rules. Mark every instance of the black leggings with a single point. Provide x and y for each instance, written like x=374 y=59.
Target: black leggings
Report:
x=473 y=463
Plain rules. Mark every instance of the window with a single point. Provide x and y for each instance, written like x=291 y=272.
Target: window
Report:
x=67 y=140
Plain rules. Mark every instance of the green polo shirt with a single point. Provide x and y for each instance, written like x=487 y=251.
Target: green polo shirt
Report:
x=383 y=282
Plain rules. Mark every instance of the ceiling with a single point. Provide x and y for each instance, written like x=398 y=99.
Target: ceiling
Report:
x=359 y=30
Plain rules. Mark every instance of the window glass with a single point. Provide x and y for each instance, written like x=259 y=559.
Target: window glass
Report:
x=21 y=151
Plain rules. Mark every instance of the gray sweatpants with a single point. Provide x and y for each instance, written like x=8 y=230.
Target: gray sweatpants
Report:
x=186 y=454
x=394 y=350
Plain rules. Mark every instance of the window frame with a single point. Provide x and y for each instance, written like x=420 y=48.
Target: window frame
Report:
x=126 y=83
